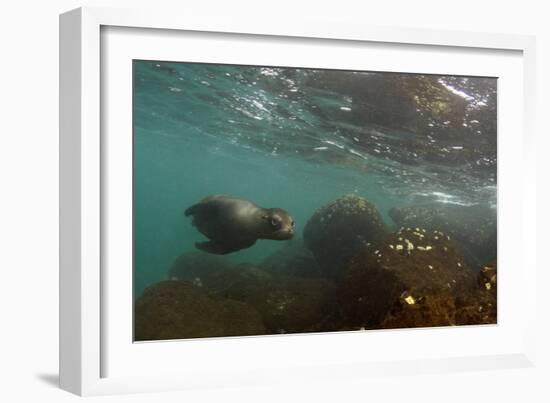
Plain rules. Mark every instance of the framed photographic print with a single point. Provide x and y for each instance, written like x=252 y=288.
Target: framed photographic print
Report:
x=319 y=199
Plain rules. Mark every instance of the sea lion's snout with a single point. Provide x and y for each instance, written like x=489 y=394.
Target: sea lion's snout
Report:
x=283 y=234
x=281 y=225
x=287 y=233
x=290 y=228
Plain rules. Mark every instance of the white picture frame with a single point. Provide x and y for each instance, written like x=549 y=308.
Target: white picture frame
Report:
x=95 y=357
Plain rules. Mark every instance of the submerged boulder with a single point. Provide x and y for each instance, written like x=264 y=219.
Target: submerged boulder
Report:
x=480 y=308
x=287 y=304
x=179 y=310
x=298 y=305
x=340 y=230
x=293 y=259
x=473 y=228
x=194 y=266
x=411 y=267
x=426 y=311
x=237 y=282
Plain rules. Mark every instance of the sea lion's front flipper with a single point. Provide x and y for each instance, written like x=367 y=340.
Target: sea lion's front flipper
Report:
x=220 y=248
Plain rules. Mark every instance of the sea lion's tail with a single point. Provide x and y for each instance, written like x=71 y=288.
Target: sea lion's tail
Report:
x=191 y=210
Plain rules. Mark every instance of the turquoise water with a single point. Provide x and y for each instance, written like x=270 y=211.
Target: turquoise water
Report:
x=294 y=139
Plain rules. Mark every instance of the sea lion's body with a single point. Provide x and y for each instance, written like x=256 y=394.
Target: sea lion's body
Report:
x=232 y=224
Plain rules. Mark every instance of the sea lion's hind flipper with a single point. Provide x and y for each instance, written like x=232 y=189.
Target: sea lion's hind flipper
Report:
x=192 y=210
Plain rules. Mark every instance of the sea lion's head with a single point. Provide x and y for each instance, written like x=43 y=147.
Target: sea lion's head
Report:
x=279 y=224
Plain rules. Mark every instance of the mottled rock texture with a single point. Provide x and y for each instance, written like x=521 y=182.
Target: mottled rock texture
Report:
x=340 y=230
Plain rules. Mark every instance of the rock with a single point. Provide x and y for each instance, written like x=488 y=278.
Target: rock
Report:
x=179 y=310
x=293 y=259
x=410 y=267
x=473 y=228
x=426 y=311
x=299 y=305
x=194 y=266
x=340 y=230
x=244 y=277
x=480 y=308
x=286 y=304
x=487 y=278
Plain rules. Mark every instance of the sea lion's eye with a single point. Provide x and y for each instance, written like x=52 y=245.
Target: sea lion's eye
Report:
x=275 y=223
x=292 y=223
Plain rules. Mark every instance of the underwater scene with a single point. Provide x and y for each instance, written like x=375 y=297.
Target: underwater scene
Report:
x=277 y=200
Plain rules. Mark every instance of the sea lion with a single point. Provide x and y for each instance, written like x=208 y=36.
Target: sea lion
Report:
x=233 y=224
